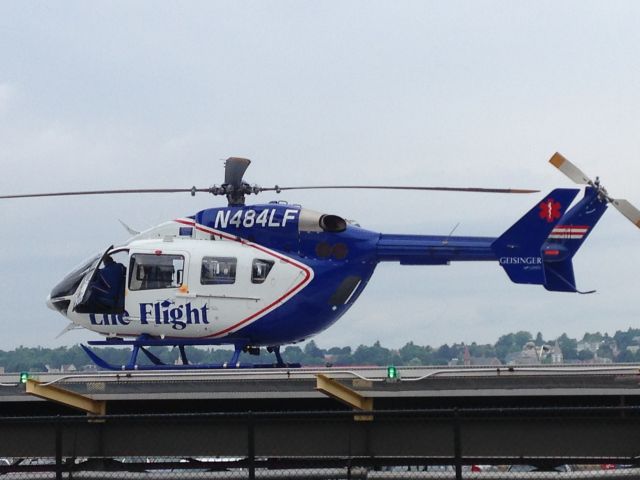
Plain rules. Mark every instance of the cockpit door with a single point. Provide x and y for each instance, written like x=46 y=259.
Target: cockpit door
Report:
x=102 y=288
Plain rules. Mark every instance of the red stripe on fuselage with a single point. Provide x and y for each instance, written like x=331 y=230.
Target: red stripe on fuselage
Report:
x=304 y=268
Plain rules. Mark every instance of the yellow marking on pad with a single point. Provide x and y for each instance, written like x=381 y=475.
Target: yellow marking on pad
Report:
x=344 y=394
x=66 y=397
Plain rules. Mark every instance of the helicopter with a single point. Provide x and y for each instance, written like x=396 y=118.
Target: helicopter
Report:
x=267 y=275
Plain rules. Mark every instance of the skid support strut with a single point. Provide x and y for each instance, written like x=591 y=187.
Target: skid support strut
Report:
x=142 y=343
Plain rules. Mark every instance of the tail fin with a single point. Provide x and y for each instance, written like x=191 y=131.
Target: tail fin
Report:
x=566 y=238
x=518 y=249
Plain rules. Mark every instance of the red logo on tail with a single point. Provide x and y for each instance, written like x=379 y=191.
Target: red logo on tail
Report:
x=550 y=210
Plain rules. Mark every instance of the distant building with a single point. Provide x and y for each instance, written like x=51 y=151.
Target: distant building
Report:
x=527 y=356
x=466 y=356
x=591 y=346
x=534 y=355
x=63 y=368
x=469 y=360
x=597 y=359
x=485 y=361
x=556 y=354
x=518 y=358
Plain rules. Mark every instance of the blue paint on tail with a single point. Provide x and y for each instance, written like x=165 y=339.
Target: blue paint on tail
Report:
x=518 y=249
x=566 y=238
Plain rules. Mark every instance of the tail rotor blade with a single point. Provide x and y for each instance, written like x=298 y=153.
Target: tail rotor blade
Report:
x=569 y=169
x=628 y=210
x=578 y=176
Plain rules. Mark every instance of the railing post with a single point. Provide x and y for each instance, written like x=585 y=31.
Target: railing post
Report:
x=58 y=448
x=251 y=446
x=457 y=444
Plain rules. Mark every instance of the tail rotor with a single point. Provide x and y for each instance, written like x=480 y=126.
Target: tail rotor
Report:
x=579 y=177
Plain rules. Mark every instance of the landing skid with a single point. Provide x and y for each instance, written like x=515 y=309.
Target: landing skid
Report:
x=140 y=344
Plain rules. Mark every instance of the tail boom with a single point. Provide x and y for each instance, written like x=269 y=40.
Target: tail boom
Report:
x=432 y=249
x=538 y=249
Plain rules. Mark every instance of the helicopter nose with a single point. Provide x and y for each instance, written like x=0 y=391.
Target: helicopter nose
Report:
x=50 y=303
x=59 y=304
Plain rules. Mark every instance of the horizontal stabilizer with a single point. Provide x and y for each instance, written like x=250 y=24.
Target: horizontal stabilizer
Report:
x=559 y=276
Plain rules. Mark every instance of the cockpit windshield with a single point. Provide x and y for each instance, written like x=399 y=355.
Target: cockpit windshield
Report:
x=69 y=284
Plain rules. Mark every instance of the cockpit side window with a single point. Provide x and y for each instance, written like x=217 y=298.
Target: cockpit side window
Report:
x=149 y=271
x=218 y=270
x=260 y=270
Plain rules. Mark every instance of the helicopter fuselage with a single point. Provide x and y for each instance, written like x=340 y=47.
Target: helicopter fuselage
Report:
x=261 y=275
x=273 y=274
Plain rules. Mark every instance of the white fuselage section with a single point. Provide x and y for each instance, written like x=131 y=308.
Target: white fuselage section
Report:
x=203 y=285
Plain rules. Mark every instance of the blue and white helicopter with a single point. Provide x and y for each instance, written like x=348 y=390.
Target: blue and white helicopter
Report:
x=272 y=274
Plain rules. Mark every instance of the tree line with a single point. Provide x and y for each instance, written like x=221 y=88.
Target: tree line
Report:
x=621 y=347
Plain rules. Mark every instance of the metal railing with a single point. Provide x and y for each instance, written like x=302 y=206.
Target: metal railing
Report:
x=487 y=444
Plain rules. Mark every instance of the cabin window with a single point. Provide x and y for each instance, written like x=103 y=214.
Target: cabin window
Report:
x=260 y=270
x=218 y=270
x=149 y=271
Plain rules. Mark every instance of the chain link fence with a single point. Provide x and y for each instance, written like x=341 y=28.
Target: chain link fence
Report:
x=222 y=468
x=483 y=444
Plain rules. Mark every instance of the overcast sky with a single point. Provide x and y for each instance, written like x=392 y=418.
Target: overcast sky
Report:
x=119 y=94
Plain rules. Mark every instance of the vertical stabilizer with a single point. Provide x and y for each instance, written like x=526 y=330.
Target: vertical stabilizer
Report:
x=567 y=237
x=518 y=249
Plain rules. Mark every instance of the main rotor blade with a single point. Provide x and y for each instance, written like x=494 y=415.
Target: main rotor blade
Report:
x=234 y=168
x=107 y=192
x=389 y=187
x=628 y=210
x=569 y=169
